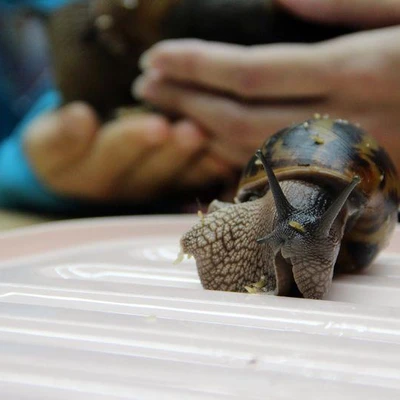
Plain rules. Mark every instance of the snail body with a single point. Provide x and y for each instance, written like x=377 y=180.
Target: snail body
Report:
x=318 y=198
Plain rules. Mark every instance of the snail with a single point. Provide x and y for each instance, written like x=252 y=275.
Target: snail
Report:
x=96 y=44
x=318 y=198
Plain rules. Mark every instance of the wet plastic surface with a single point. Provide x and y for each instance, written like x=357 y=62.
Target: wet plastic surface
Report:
x=95 y=309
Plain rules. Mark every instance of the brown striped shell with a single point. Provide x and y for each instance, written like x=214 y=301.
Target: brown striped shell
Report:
x=330 y=153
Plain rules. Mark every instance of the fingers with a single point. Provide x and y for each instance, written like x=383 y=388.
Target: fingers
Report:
x=362 y=76
x=144 y=157
x=285 y=70
x=133 y=158
x=178 y=164
x=120 y=146
x=160 y=168
x=237 y=128
x=366 y=13
x=55 y=140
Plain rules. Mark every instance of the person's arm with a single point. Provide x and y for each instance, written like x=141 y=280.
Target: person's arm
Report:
x=19 y=185
x=61 y=158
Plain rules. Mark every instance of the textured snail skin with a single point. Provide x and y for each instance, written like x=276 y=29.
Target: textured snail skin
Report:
x=314 y=162
x=96 y=44
x=229 y=258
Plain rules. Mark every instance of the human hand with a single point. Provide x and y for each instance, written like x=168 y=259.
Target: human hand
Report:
x=241 y=95
x=132 y=159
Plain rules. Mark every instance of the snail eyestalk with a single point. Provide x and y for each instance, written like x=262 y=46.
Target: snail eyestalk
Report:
x=283 y=207
x=332 y=212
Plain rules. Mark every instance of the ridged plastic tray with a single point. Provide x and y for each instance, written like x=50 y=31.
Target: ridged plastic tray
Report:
x=95 y=309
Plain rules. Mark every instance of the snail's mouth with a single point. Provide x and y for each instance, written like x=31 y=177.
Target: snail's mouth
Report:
x=285 y=283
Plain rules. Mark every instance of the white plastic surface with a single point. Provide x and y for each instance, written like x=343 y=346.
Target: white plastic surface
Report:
x=95 y=309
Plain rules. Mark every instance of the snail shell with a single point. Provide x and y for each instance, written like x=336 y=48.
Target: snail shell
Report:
x=317 y=198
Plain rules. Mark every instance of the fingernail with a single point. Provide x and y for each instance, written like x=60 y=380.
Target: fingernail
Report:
x=154 y=74
x=149 y=59
x=138 y=87
x=145 y=60
x=143 y=86
x=76 y=121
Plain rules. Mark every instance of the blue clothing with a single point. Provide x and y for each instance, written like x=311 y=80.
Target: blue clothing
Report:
x=26 y=91
x=40 y=5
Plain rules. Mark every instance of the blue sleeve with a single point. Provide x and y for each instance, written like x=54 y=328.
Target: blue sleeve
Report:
x=19 y=186
x=41 y=5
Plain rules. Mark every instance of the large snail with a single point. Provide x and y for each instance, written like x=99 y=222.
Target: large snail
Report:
x=96 y=44
x=318 y=198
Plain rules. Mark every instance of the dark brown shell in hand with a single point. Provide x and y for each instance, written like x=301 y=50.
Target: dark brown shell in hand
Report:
x=330 y=153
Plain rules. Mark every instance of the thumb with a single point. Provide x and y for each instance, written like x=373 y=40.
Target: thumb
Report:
x=360 y=13
x=56 y=139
